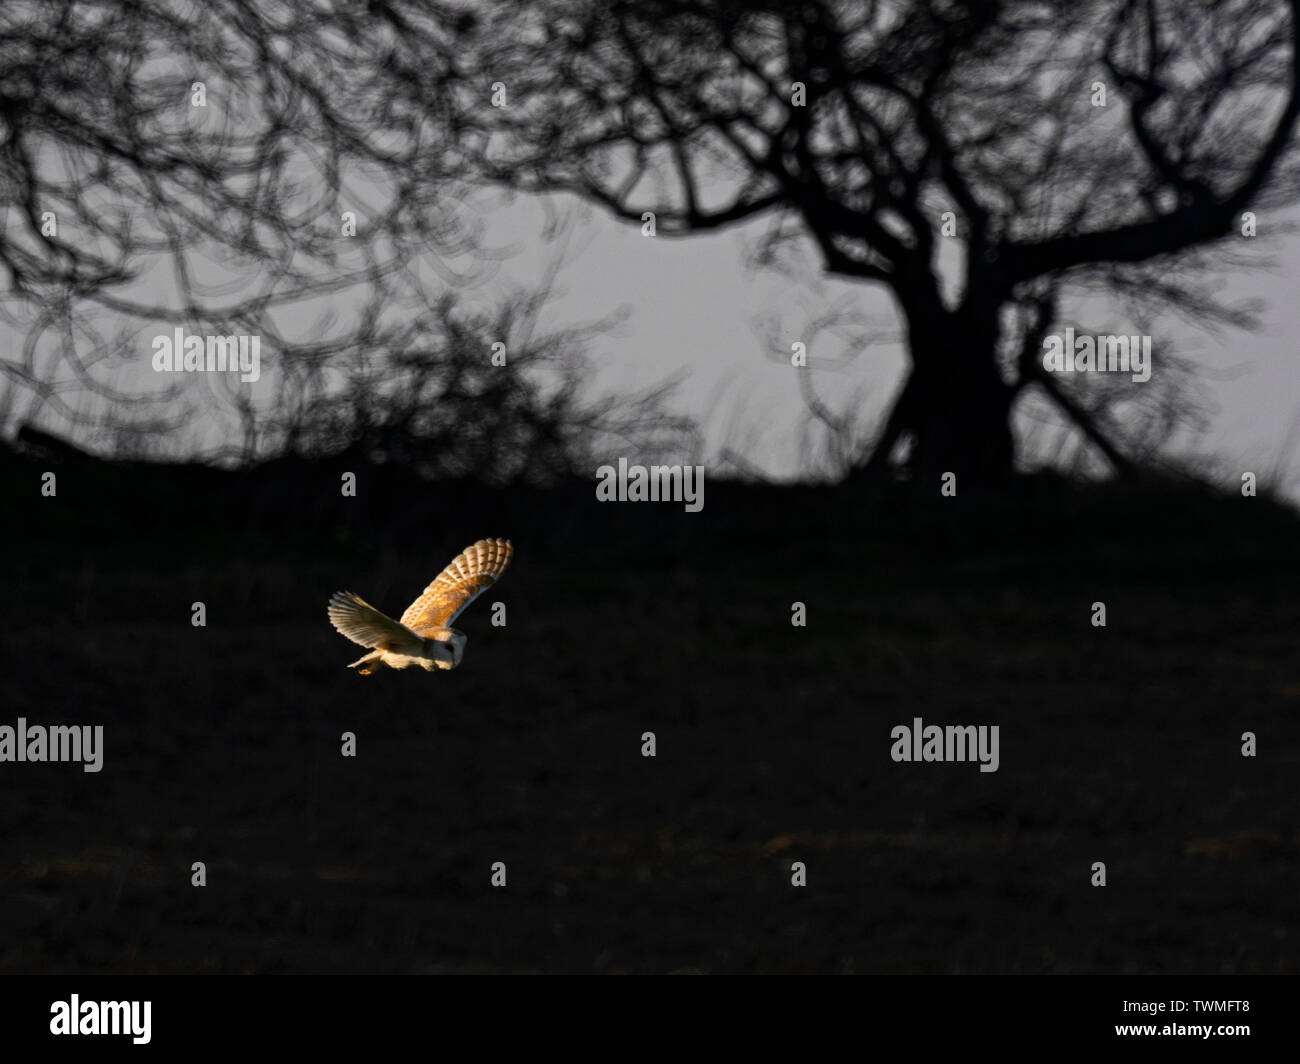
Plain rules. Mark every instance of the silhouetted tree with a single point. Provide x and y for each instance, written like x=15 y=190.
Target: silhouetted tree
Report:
x=490 y=396
x=290 y=170
x=1080 y=146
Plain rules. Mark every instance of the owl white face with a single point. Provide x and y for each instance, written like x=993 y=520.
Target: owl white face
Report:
x=458 y=641
x=445 y=648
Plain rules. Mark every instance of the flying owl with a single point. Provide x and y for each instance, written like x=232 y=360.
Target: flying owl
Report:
x=424 y=635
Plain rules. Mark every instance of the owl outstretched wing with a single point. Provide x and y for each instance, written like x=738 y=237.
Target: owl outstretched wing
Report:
x=470 y=573
x=362 y=623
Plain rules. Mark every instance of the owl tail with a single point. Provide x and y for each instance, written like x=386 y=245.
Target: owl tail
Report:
x=368 y=664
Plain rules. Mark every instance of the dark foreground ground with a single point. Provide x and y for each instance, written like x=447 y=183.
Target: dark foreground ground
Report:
x=1119 y=745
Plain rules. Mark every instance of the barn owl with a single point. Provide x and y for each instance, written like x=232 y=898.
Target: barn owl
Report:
x=424 y=635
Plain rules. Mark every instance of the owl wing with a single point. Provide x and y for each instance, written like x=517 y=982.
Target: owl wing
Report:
x=470 y=573
x=362 y=623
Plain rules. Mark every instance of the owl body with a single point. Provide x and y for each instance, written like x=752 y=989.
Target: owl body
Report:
x=440 y=651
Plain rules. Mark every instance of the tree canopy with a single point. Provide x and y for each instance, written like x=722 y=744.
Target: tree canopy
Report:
x=1110 y=145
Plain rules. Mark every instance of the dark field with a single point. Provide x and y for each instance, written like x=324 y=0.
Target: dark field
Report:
x=222 y=744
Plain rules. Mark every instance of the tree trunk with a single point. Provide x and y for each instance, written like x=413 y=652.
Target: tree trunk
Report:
x=961 y=422
x=876 y=470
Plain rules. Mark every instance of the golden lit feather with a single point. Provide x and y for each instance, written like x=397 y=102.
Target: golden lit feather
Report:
x=424 y=635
